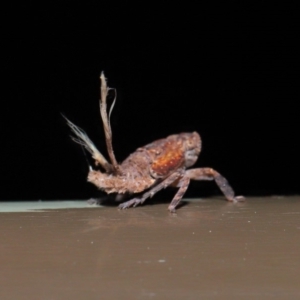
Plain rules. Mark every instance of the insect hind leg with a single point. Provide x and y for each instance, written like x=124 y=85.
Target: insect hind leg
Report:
x=162 y=185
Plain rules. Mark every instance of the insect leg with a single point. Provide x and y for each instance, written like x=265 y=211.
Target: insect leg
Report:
x=165 y=183
x=211 y=174
x=183 y=185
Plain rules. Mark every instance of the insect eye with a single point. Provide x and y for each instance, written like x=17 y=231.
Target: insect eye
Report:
x=189 y=144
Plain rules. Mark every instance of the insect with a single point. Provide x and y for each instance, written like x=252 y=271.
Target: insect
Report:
x=151 y=168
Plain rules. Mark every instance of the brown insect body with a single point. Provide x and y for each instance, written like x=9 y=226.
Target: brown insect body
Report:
x=150 y=164
x=150 y=168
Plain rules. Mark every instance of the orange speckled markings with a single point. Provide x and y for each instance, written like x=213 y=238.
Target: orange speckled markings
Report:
x=171 y=158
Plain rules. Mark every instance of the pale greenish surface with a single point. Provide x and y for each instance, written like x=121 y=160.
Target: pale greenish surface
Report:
x=24 y=206
x=37 y=206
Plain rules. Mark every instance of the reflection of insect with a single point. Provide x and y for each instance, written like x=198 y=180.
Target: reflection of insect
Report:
x=150 y=168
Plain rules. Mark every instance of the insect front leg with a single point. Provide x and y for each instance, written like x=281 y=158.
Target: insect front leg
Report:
x=162 y=185
x=211 y=174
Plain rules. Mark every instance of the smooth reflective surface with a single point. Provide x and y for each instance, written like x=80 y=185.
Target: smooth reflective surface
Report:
x=210 y=249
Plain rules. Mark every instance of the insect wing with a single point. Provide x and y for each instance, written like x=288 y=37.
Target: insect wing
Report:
x=170 y=157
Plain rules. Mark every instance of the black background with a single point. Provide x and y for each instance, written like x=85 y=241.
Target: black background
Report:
x=228 y=71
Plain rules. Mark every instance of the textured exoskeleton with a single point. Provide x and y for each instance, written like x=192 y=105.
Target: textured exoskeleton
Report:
x=150 y=168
